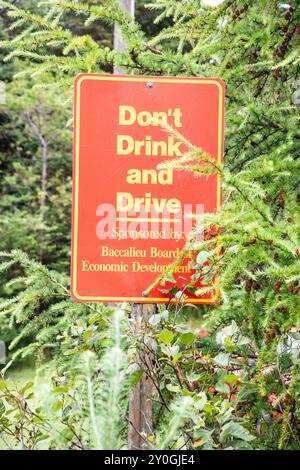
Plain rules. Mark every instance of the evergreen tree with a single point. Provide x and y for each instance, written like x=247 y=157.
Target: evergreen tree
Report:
x=254 y=47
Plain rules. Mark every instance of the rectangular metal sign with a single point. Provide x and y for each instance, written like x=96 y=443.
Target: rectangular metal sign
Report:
x=130 y=218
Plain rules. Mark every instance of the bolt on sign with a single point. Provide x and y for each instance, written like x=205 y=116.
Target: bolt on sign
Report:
x=131 y=217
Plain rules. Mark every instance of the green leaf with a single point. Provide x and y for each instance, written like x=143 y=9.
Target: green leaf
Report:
x=158 y=317
x=155 y=319
x=242 y=340
x=56 y=406
x=202 y=257
x=172 y=351
x=136 y=377
x=187 y=338
x=233 y=429
x=170 y=277
x=202 y=437
x=180 y=296
x=228 y=342
x=165 y=315
x=230 y=349
x=231 y=379
x=2 y=384
x=208 y=277
x=25 y=387
x=226 y=332
x=60 y=389
x=208 y=408
x=264 y=428
x=87 y=335
x=2 y=408
x=230 y=329
x=166 y=336
x=246 y=392
x=295 y=335
x=194 y=377
x=240 y=445
x=176 y=358
x=42 y=437
x=222 y=387
x=95 y=318
x=67 y=434
x=183 y=328
x=173 y=388
x=222 y=359
x=29 y=396
x=200 y=401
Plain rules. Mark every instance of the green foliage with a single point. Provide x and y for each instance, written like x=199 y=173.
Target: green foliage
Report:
x=36 y=175
x=201 y=382
x=43 y=304
x=82 y=411
x=108 y=399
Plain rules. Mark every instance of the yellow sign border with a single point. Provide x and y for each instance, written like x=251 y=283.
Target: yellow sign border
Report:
x=79 y=80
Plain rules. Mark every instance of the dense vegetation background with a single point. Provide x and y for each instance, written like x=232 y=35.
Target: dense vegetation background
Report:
x=224 y=376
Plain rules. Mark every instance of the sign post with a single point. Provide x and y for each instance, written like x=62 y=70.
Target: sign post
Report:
x=119 y=45
x=140 y=407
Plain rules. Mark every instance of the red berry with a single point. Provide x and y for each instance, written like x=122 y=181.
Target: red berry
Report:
x=277 y=286
x=248 y=285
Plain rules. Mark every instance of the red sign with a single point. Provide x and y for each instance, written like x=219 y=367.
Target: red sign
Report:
x=131 y=218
